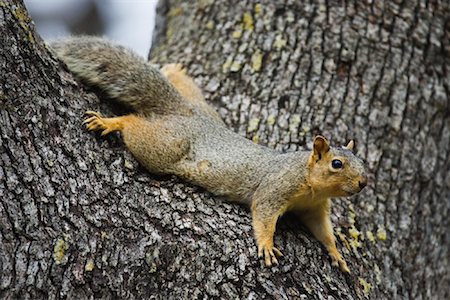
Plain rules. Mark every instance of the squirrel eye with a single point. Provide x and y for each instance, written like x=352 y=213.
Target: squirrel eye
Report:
x=336 y=164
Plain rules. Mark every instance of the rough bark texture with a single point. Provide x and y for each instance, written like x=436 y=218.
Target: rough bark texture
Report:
x=80 y=218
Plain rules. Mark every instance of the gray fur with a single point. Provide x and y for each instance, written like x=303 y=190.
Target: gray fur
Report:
x=119 y=72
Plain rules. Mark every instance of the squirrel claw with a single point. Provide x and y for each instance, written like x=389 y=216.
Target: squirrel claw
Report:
x=343 y=267
x=96 y=122
x=277 y=252
x=338 y=261
x=89 y=120
x=93 y=124
x=270 y=255
x=93 y=113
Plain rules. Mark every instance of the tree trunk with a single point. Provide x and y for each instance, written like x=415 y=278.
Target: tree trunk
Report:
x=79 y=218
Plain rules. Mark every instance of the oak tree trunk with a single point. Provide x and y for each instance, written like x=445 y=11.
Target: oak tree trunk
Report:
x=79 y=218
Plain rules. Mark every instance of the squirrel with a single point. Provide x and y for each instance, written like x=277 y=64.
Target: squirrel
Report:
x=172 y=130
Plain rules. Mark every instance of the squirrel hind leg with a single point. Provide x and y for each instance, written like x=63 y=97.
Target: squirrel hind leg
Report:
x=154 y=143
x=186 y=86
x=95 y=122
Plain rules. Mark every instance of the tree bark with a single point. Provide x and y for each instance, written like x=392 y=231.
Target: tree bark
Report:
x=79 y=218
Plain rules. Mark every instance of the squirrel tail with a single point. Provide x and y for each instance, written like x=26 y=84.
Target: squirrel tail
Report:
x=120 y=73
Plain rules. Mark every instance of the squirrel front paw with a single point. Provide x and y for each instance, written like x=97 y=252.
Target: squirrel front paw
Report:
x=338 y=261
x=270 y=254
x=95 y=122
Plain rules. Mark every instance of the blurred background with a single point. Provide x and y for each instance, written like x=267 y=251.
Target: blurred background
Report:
x=129 y=22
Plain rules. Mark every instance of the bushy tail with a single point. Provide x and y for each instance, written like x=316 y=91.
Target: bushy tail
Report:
x=120 y=73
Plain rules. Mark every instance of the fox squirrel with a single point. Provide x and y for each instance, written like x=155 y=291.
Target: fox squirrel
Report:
x=174 y=131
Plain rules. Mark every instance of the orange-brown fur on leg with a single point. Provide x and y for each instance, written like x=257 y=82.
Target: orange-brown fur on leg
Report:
x=158 y=152
x=182 y=82
x=318 y=221
x=265 y=214
x=264 y=231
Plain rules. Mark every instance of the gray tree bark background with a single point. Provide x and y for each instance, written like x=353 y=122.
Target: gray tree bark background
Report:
x=79 y=218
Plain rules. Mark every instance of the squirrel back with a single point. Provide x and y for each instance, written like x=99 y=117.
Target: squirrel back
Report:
x=121 y=74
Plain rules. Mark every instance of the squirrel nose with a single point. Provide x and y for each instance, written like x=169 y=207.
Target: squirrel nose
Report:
x=362 y=183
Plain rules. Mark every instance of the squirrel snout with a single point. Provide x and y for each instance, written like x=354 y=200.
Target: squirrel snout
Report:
x=362 y=183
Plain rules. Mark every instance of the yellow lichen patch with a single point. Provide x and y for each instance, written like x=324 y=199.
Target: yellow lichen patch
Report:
x=279 y=42
x=377 y=272
x=253 y=124
x=355 y=234
x=210 y=25
x=367 y=286
x=294 y=122
x=103 y=235
x=351 y=215
x=235 y=66
x=59 y=250
x=237 y=34
x=248 y=21
x=257 y=61
x=226 y=66
x=175 y=12
x=271 y=119
x=171 y=25
x=170 y=31
x=255 y=139
x=24 y=21
x=381 y=234
x=370 y=236
x=305 y=130
x=21 y=14
x=343 y=238
x=258 y=9
x=203 y=4
x=353 y=231
x=89 y=265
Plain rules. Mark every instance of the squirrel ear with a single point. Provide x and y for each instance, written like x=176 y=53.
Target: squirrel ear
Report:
x=321 y=146
x=350 y=145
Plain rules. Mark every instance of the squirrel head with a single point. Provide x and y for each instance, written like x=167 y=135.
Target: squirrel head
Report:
x=335 y=172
